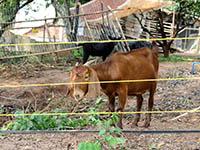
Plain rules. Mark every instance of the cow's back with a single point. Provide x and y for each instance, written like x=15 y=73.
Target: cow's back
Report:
x=135 y=65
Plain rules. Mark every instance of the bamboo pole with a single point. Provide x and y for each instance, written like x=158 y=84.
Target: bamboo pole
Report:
x=123 y=37
x=48 y=32
x=44 y=31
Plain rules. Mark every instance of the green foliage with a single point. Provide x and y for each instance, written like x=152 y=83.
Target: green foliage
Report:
x=89 y=146
x=109 y=135
x=113 y=142
x=187 y=13
x=77 y=53
x=188 y=10
x=44 y=122
x=7 y=9
x=189 y=6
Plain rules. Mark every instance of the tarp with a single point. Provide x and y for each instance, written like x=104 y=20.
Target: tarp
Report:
x=135 y=6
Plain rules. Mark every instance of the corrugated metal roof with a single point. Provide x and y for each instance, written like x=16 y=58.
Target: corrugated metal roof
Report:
x=128 y=7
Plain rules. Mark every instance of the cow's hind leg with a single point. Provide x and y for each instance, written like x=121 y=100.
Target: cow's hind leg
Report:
x=150 y=107
x=112 y=103
x=139 y=106
x=122 y=102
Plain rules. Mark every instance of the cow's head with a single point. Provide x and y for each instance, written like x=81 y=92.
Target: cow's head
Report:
x=84 y=83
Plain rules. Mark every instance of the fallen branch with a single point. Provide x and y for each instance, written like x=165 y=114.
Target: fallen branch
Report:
x=35 y=101
x=185 y=114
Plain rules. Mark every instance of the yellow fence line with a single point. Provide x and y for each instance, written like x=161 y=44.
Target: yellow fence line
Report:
x=102 y=41
x=79 y=42
x=100 y=113
x=116 y=81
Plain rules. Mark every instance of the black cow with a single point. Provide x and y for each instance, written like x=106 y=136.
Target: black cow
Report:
x=139 y=44
x=105 y=49
x=98 y=49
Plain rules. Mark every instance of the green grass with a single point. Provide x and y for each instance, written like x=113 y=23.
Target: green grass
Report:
x=177 y=58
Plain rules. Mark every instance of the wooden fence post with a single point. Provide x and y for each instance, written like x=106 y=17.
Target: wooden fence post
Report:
x=198 y=42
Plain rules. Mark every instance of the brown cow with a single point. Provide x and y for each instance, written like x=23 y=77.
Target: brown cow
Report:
x=135 y=65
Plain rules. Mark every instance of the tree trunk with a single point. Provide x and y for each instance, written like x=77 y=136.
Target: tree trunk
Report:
x=76 y=23
x=166 y=49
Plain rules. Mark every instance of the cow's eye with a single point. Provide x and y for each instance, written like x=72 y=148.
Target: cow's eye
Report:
x=87 y=77
x=78 y=75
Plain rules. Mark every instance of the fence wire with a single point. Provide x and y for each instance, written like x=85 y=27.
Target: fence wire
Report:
x=127 y=131
x=99 y=113
x=97 y=82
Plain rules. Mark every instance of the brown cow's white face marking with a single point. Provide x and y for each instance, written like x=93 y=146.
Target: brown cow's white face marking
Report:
x=79 y=74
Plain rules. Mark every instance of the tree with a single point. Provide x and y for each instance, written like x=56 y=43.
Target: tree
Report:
x=62 y=8
x=187 y=12
x=8 y=11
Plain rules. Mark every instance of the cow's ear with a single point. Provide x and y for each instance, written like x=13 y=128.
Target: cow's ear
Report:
x=70 y=90
x=94 y=88
x=70 y=86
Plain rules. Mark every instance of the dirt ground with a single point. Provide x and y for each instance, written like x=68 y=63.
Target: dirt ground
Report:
x=170 y=95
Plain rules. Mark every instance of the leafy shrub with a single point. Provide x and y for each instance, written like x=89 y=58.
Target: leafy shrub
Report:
x=109 y=136
x=44 y=122
x=77 y=53
x=89 y=146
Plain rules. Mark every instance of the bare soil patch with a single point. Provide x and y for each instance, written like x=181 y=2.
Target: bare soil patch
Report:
x=170 y=95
